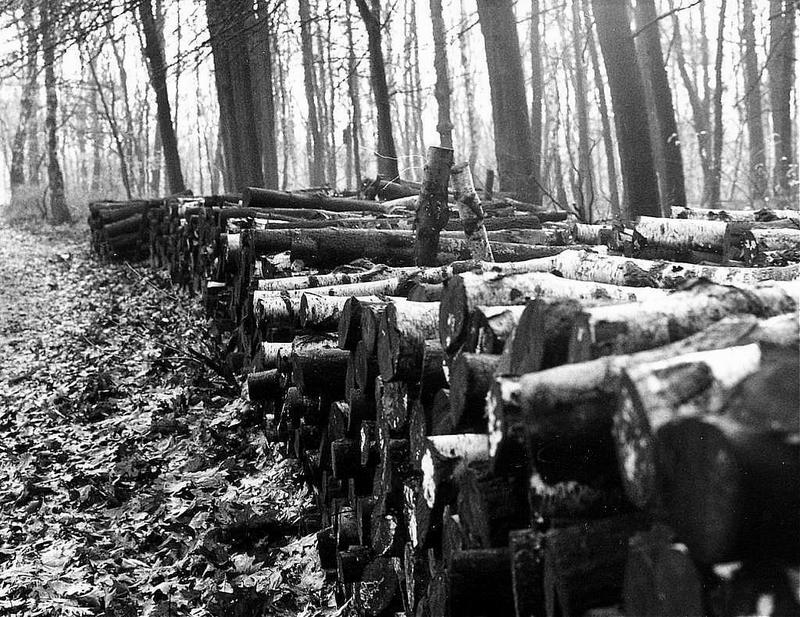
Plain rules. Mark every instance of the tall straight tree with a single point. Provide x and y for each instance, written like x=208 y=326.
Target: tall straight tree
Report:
x=59 y=212
x=512 y=134
x=536 y=92
x=263 y=90
x=628 y=100
x=782 y=15
x=316 y=156
x=355 y=97
x=27 y=103
x=387 y=154
x=444 y=126
x=227 y=25
x=757 y=175
x=154 y=53
x=716 y=169
x=667 y=145
x=585 y=193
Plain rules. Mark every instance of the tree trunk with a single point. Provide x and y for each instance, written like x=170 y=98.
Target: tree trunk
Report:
x=716 y=164
x=513 y=148
x=628 y=100
x=537 y=93
x=471 y=213
x=585 y=196
x=355 y=99
x=432 y=207
x=316 y=157
x=757 y=174
x=154 y=53
x=263 y=91
x=27 y=103
x=781 y=80
x=608 y=142
x=59 y=212
x=227 y=24
x=387 y=155
x=673 y=192
x=444 y=125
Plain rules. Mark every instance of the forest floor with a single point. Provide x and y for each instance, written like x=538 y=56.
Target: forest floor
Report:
x=133 y=479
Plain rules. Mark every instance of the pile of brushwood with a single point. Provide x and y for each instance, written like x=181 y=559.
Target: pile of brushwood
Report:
x=595 y=417
x=135 y=478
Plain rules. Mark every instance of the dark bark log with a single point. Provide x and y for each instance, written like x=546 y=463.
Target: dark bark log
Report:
x=584 y=564
x=490 y=327
x=320 y=371
x=264 y=198
x=479 y=583
x=264 y=385
x=403 y=329
x=471 y=376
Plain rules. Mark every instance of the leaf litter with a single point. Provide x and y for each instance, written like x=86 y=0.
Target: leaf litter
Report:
x=133 y=479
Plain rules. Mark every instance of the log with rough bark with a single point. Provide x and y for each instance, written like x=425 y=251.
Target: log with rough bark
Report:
x=576 y=402
x=627 y=328
x=441 y=455
x=264 y=385
x=730 y=484
x=320 y=370
x=490 y=327
x=323 y=312
x=584 y=564
x=266 y=198
x=592 y=266
x=432 y=208
x=403 y=329
x=652 y=394
x=376 y=591
x=497 y=223
x=465 y=292
x=762 y=244
x=471 y=376
x=660 y=576
x=470 y=212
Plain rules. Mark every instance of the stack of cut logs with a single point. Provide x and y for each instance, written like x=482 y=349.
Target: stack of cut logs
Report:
x=568 y=430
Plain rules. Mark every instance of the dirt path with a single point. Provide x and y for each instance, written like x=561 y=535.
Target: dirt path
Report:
x=132 y=480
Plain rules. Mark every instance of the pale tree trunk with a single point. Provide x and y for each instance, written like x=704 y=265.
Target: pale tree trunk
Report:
x=355 y=98
x=667 y=144
x=444 y=126
x=287 y=126
x=630 y=115
x=97 y=143
x=332 y=89
x=585 y=196
x=757 y=174
x=27 y=102
x=700 y=113
x=512 y=133
x=325 y=120
x=154 y=52
x=782 y=15
x=716 y=169
x=59 y=212
x=608 y=141
x=536 y=92
x=469 y=90
x=316 y=155
x=387 y=154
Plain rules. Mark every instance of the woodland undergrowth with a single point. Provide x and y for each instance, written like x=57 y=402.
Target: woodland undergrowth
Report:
x=134 y=479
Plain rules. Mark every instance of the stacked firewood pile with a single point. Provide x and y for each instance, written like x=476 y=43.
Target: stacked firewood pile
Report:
x=568 y=428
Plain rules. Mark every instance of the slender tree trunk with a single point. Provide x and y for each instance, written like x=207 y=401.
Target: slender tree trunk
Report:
x=97 y=143
x=608 y=141
x=781 y=79
x=387 y=154
x=316 y=157
x=444 y=126
x=287 y=126
x=154 y=53
x=536 y=92
x=630 y=116
x=59 y=212
x=27 y=102
x=332 y=89
x=757 y=174
x=585 y=197
x=666 y=142
x=469 y=90
x=513 y=148
x=355 y=98
x=716 y=170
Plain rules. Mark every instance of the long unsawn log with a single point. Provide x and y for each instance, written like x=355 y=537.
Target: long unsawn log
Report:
x=627 y=328
x=465 y=292
x=266 y=198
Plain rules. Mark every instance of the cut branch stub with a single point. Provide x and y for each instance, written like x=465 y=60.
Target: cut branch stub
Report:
x=471 y=213
x=432 y=208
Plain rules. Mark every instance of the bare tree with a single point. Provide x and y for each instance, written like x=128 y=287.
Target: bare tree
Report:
x=27 y=104
x=781 y=79
x=444 y=126
x=716 y=169
x=316 y=155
